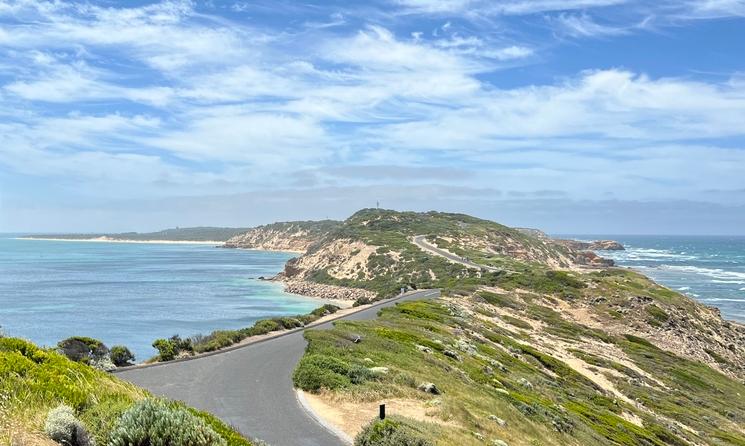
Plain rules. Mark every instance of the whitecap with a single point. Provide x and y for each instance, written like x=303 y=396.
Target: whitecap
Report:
x=684 y=288
x=716 y=273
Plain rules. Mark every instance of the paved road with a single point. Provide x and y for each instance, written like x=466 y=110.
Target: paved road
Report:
x=422 y=243
x=250 y=387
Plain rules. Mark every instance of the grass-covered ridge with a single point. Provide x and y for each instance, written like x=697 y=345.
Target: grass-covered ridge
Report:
x=373 y=250
x=553 y=385
x=34 y=381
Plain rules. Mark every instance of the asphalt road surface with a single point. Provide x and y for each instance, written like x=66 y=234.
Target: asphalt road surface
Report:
x=422 y=243
x=250 y=387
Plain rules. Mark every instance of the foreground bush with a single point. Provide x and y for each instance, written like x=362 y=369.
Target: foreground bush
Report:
x=121 y=356
x=391 y=432
x=63 y=427
x=33 y=380
x=155 y=423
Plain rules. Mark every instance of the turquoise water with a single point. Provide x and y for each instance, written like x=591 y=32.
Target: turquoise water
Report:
x=132 y=294
x=710 y=269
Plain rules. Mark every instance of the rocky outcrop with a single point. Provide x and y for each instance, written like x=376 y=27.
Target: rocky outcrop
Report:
x=294 y=236
x=589 y=258
x=312 y=289
x=597 y=245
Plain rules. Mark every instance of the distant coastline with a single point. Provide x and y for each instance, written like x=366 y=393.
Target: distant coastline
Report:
x=113 y=240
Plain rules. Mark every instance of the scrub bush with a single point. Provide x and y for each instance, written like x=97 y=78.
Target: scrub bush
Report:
x=169 y=348
x=155 y=423
x=166 y=349
x=121 y=356
x=391 y=432
x=63 y=427
x=315 y=372
x=82 y=349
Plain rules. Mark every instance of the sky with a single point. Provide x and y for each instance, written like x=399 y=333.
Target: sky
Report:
x=573 y=116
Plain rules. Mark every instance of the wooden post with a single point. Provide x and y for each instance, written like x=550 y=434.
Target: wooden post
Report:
x=382 y=411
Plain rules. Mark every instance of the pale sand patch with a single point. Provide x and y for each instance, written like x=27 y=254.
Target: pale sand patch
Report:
x=351 y=416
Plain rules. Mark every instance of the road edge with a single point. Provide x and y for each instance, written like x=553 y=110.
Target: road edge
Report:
x=323 y=423
x=266 y=339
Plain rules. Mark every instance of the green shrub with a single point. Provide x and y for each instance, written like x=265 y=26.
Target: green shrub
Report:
x=358 y=374
x=169 y=348
x=315 y=372
x=63 y=427
x=155 y=423
x=166 y=349
x=121 y=356
x=391 y=432
x=82 y=349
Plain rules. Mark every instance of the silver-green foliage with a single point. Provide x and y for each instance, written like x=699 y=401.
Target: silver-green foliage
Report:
x=391 y=432
x=156 y=423
x=63 y=427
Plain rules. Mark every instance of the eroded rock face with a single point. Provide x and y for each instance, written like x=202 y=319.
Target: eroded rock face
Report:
x=296 y=236
x=606 y=245
x=597 y=245
x=589 y=258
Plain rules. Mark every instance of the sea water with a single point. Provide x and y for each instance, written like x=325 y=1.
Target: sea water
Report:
x=132 y=294
x=710 y=269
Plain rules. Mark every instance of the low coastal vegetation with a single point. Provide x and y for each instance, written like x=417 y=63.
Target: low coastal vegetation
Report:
x=536 y=349
x=46 y=398
x=479 y=380
x=374 y=250
x=175 y=346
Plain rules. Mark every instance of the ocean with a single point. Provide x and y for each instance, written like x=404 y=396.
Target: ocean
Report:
x=710 y=269
x=132 y=294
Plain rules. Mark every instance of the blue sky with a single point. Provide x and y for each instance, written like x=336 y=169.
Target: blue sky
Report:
x=572 y=116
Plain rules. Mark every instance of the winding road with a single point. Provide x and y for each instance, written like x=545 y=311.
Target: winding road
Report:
x=250 y=387
x=424 y=245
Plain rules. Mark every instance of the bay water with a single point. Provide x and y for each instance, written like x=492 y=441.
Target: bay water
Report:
x=134 y=293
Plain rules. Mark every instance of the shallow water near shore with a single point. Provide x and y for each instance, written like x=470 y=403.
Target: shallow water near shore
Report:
x=132 y=294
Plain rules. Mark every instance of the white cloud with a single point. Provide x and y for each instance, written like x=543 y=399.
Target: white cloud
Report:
x=506 y=7
x=712 y=9
x=262 y=140
x=179 y=97
x=609 y=104
x=582 y=25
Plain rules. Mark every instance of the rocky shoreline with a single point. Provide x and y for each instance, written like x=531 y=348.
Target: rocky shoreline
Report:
x=323 y=291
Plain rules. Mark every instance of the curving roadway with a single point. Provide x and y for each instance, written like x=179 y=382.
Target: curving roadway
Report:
x=250 y=387
x=424 y=245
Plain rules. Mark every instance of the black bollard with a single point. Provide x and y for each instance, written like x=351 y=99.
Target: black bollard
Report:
x=382 y=411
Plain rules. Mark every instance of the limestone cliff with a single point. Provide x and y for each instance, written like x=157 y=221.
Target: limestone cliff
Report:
x=294 y=236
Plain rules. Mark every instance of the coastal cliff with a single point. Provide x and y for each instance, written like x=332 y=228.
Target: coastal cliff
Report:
x=293 y=236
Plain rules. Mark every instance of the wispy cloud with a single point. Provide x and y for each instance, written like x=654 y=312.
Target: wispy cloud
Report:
x=583 y=25
x=170 y=96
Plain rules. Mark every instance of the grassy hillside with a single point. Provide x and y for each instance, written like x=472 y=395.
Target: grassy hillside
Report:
x=175 y=234
x=33 y=381
x=373 y=250
x=540 y=352
x=532 y=379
